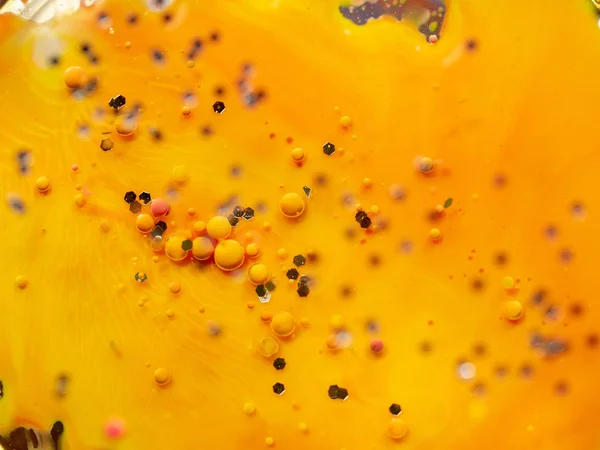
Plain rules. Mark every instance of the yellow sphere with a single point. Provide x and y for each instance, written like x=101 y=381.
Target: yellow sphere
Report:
x=291 y=205
x=249 y=408
x=79 y=200
x=42 y=184
x=435 y=234
x=179 y=174
x=218 y=227
x=162 y=376
x=258 y=274
x=252 y=250
x=173 y=248
x=397 y=428
x=125 y=126
x=514 y=310
x=426 y=165
x=21 y=281
x=345 y=121
x=298 y=154
x=268 y=346
x=199 y=227
x=229 y=255
x=283 y=324
x=336 y=323
x=144 y=223
x=175 y=287
x=75 y=77
x=202 y=248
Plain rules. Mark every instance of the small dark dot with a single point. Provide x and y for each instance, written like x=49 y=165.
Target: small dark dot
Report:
x=551 y=232
x=499 y=181
x=214 y=36
x=270 y=286
x=345 y=291
x=552 y=313
x=158 y=55
x=54 y=60
x=207 y=130
x=85 y=47
x=1 y=389
x=320 y=179
x=219 y=107
x=471 y=45
x=592 y=340
x=261 y=290
x=248 y=214
x=167 y=17
x=56 y=432
x=187 y=245
x=539 y=297
x=129 y=197
x=238 y=211
x=278 y=388
x=479 y=350
x=303 y=290
x=426 y=347
x=145 y=197
x=500 y=259
x=526 y=371
x=162 y=225
x=132 y=19
x=561 y=388
x=479 y=389
x=299 y=260
x=279 y=363
x=219 y=91
x=566 y=255
x=233 y=221
x=576 y=309
x=328 y=148
x=501 y=371
x=375 y=260
x=292 y=274
x=395 y=409
x=477 y=284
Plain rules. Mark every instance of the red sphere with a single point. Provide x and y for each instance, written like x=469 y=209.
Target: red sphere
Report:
x=376 y=345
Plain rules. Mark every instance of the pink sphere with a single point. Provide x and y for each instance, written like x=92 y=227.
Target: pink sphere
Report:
x=159 y=207
x=75 y=167
x=376 y=345
x=114 y=428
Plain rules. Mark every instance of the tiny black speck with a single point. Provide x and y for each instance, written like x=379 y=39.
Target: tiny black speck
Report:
x=248 y=214
x=328 y=149
x=292 y=274
x=219 y=107
x=303 y=290
x=395 y=409
x=233 y=221
x=299 y=260
x=145 y=197
x=130 y=197
x=187 y=245
x=279 y=363
x=333 y=391
x=260 y=290
x=238 y=211
x=278 y=388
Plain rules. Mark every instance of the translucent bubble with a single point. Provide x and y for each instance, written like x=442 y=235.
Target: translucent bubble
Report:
x=467 y=370
x=158 y=5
